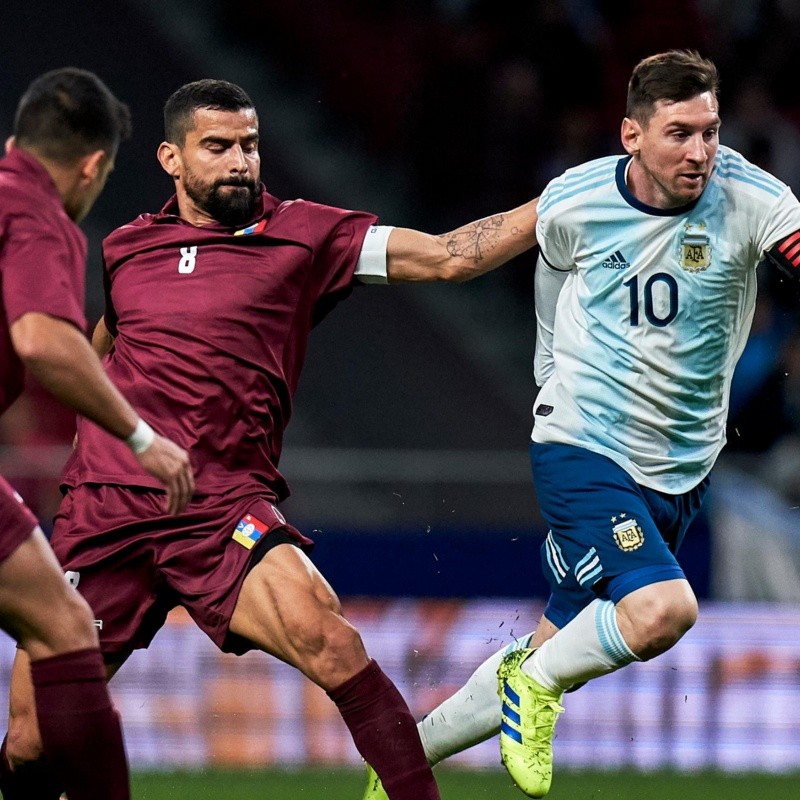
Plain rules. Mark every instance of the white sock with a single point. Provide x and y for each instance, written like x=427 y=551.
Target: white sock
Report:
x=587 y=647
x=469 y=716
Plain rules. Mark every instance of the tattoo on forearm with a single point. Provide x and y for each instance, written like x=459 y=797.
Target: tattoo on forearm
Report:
x=475 y=241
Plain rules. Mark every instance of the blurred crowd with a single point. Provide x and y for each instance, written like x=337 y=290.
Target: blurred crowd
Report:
x=495 y=97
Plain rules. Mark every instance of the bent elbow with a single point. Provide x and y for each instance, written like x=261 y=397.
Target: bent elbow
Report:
x=39 y=339
x=28 y=346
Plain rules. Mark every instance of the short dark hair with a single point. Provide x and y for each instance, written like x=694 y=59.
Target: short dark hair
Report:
x=674 y=75
x=68 y=113
x=207 y=93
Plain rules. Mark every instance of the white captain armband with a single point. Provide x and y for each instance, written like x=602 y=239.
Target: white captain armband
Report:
x=785 y=255
x=371 y=266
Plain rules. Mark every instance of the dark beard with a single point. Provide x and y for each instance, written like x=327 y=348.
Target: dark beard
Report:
x=232 y=208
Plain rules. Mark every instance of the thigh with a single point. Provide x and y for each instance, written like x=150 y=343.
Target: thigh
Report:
x=16 y=519
x=211 y=551
x=288 y=609
x=104 y=538
x=38 y=608
x=284 y=592
x=603 y=540
x=134 y=563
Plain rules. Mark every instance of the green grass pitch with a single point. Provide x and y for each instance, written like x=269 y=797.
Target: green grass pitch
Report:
x=340 y=784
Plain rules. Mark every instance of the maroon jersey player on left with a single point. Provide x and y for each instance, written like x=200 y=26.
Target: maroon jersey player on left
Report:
x=67 y=129
x=210 y=303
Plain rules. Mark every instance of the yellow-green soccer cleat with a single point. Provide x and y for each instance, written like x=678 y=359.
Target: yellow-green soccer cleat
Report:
x=375 y=790
x=528 y=722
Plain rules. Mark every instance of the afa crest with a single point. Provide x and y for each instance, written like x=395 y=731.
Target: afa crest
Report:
x=628 y=535
x=694 y=249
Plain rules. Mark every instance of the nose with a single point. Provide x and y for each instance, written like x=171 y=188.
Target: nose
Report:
x=237 y=162
x=697 y=149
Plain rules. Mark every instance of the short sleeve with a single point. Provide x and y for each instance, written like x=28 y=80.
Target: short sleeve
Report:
x=337 y=238
x=43 y=270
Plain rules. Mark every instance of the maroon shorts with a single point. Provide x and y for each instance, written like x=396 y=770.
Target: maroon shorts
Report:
x=17 y=521
x=134 y=563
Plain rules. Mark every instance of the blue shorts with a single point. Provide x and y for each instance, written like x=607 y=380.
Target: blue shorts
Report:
x=608 y=535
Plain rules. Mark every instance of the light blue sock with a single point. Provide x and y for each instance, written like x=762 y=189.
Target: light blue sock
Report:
x=589 y=646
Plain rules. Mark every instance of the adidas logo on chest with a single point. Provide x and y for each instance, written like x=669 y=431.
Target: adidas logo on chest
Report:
x=615 y=261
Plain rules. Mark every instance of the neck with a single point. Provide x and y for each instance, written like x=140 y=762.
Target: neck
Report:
x=65 y=177
x=641 y=188
x=189 y=212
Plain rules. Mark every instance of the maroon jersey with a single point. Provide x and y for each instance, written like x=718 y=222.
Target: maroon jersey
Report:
x=211 y=327
x=42 y=259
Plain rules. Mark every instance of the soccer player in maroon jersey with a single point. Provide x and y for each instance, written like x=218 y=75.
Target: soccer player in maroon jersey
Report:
x=210 y=303
x=66 y=133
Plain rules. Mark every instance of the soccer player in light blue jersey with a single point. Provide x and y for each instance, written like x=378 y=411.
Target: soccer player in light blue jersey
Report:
x=645 y=292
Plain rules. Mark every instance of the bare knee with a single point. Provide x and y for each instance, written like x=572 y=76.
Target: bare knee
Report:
x=653 y=619
x=329 y=649
x=81 y=620
x=70 y=627
x=37 y=605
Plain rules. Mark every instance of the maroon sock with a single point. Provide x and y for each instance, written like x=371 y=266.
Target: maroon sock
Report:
x=32 y=781
x=385 y=734
x=81 y=731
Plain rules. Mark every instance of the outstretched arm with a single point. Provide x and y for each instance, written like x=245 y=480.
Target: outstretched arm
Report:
x=464 y=253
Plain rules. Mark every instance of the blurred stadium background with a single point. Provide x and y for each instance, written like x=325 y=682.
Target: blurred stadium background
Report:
x=407 y=452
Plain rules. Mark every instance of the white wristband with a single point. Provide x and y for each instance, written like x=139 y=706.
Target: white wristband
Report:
x=141 y=438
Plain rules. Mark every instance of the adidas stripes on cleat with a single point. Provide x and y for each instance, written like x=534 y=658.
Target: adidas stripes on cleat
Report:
x=529 y=716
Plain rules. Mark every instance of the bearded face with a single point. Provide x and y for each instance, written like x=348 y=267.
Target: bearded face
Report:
x=231 y=201
x=217 y=167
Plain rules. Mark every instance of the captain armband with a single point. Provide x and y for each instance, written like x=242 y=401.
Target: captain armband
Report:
x=785 y=255
x=372 y=266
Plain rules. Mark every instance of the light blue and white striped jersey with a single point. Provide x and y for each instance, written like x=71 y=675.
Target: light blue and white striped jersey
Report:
x=636 y=358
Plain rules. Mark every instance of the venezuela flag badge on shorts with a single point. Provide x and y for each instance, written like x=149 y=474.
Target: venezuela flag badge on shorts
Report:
x=249 y=530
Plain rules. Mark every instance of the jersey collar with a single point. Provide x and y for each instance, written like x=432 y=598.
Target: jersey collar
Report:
x=28 y=166
x=622 y=170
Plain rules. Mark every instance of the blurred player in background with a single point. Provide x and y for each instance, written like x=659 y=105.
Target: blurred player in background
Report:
x=210 y=303
x=645 y=292
x=67 y=129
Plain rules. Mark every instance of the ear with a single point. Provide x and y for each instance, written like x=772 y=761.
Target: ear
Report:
x=169 y=156
x=11 y=143
x=631 y=136
x=91 y=166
